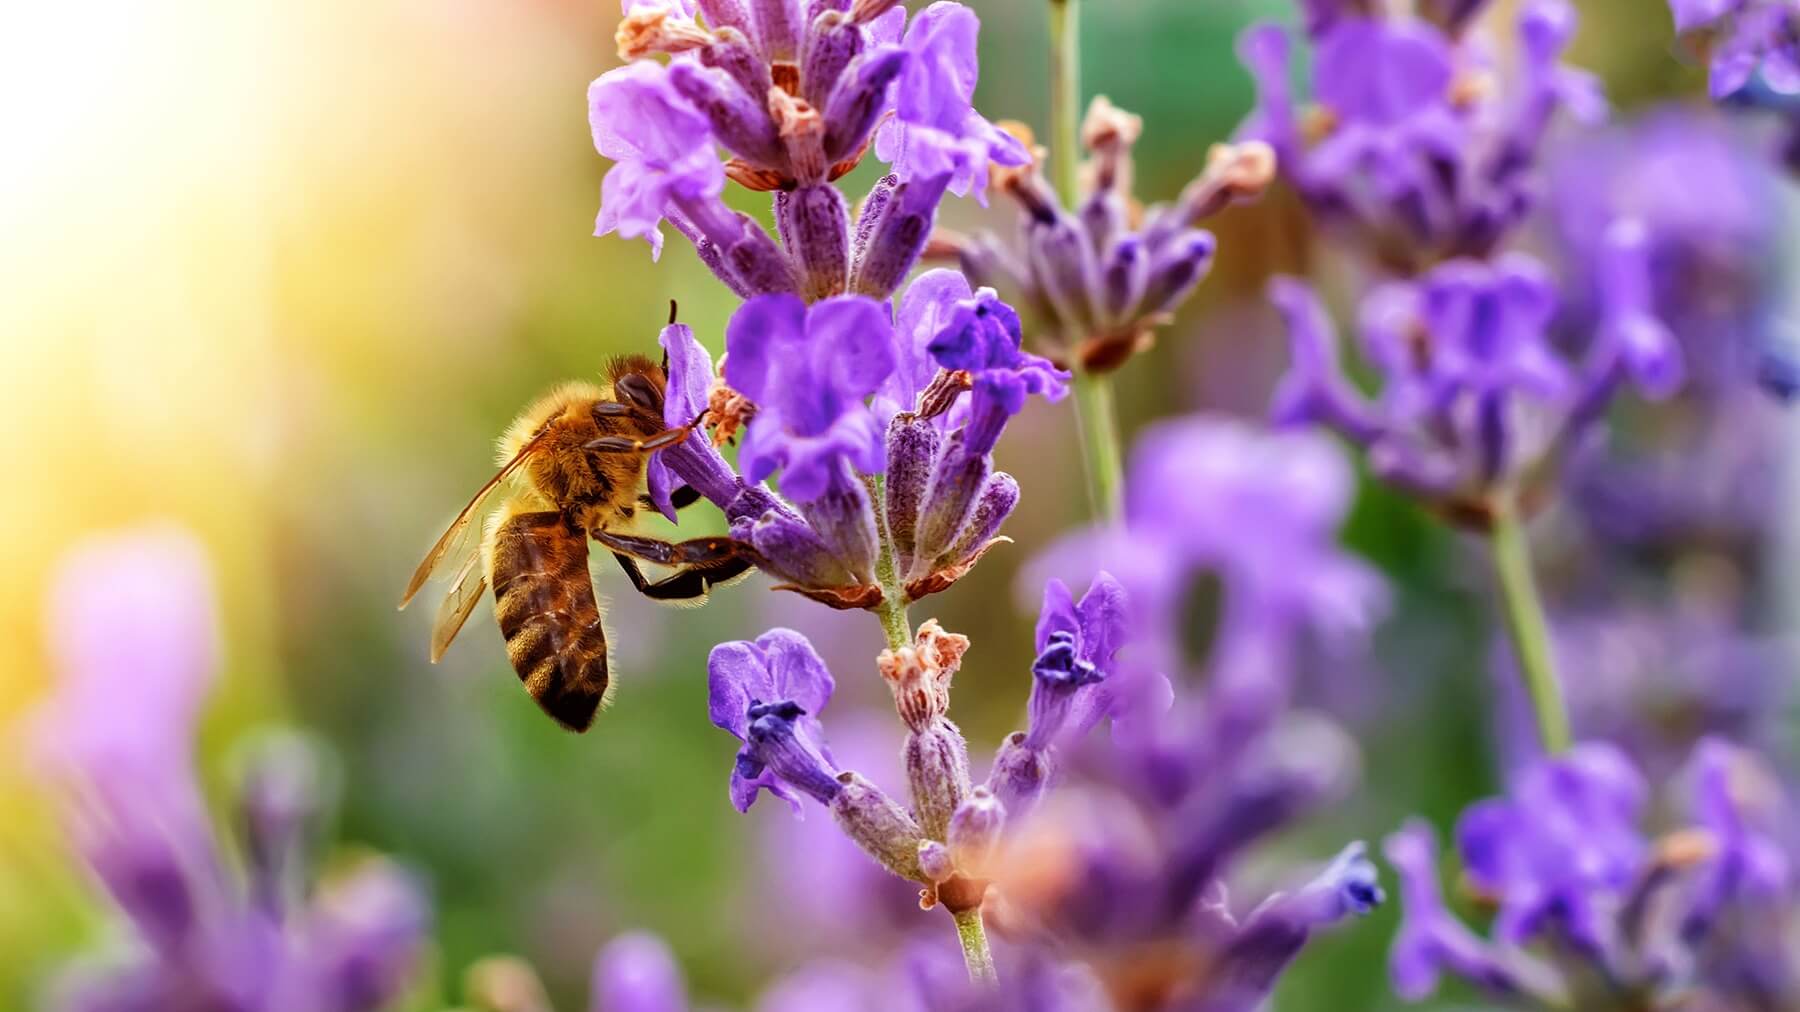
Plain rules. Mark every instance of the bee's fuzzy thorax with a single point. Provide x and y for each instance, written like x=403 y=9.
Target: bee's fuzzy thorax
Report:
x=551 y=404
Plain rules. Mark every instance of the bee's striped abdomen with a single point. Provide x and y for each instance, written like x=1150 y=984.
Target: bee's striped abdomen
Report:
x=544 y=601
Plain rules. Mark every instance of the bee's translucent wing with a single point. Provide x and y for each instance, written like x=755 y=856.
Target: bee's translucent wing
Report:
x=457 y=536
x=465 y=593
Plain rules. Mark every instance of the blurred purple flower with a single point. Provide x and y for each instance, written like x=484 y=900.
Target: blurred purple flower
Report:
x=1421 y=159
x=133 y=634
x=935 y=130
x=1075 y=644
x=637 y=973
x=1611 y=912
x=1745 y=37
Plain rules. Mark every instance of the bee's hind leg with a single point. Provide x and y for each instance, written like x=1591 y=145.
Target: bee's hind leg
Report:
x=702 y=564
x=691 y=584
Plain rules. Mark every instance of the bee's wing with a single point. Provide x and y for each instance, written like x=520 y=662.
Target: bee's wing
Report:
x=456 y=537
x=465 y=593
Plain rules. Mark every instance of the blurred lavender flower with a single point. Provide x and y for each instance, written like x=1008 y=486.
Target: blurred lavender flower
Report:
x=637 y=973
x=1420 y=147
x=1099 y=278
x=1697 y=918
x=1476 y=405
x=794 y=91
x=133 y=634
x=1743 y=38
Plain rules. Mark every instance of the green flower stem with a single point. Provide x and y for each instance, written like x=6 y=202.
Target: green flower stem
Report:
x=892 y=610
x=1100 y=457
x=973 y=936
x=1065 y=98
x=1526 y=625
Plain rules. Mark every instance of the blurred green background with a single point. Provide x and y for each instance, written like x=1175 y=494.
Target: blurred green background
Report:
x=281 y=272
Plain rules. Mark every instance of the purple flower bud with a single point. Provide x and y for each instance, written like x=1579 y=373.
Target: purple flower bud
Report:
x=844 y=519
x=787 y=741
x=937 y=772
x=858 y=101
x=935 y=861
x=877 y=824
x=791 y=551
x=283 y=793
x=958 y=478
x=1630 y=333
x=637 y=973
x=1275 y=932
x=1176 y=269
x=1065 y=268
x=815 y=227
x=1058 y=676
x=911 y=450
x=1125 y=275
x=1020 y=775
x=974 y=833
x=893 y=230
x=996 y=502
x=983 y=337
x=736 y=56
x=739 y=119
x=832 y=42
x=662 y=147
x=777 y=26
x=1431 y=940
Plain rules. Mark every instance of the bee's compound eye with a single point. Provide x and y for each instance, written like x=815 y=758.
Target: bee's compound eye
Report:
x=637 y=390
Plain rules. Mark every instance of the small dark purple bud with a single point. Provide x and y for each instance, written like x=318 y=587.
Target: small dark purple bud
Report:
x=739 y=120
x=975 y=830
x=892 y=233
x=815 y=225
x=844 y=520
x=711 y=254
x=935 y=861
x=723 y=13
x=1125 y=275
x=912 y=447
x=937 y=772
x=758 y=263
x=1020 y=775
x=776 y=24
x=282 y=797
x=956 y=481
x=1058 y=675
x=791 y=551
x=877 y=824
x=1066 y=268
x=991 y=510
x=859 y=100
x=1105 y=218
x=1177 y=268
x=829 y=47
x=772 y=745
x=737 y=56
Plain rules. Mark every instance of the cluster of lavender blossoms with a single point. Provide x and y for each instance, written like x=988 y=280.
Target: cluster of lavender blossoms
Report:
x=1591 y=912
x=876 y=405
x=132 y=631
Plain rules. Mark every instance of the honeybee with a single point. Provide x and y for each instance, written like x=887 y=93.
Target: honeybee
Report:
x=574 y=465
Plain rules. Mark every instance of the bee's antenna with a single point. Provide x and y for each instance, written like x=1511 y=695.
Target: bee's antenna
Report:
x=671 y=312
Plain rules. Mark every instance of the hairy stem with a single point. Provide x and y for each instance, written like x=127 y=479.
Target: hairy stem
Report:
x=892 y=610
x=1529 y=631
x=973 y=936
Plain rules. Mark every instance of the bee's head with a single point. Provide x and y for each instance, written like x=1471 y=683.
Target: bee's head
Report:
x=639 y=382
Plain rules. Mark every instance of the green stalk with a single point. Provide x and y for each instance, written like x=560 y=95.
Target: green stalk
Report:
x=1094 y=415
x=892 y=611
x=973 y=936
x=1099 y=429
x=1529 y=631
